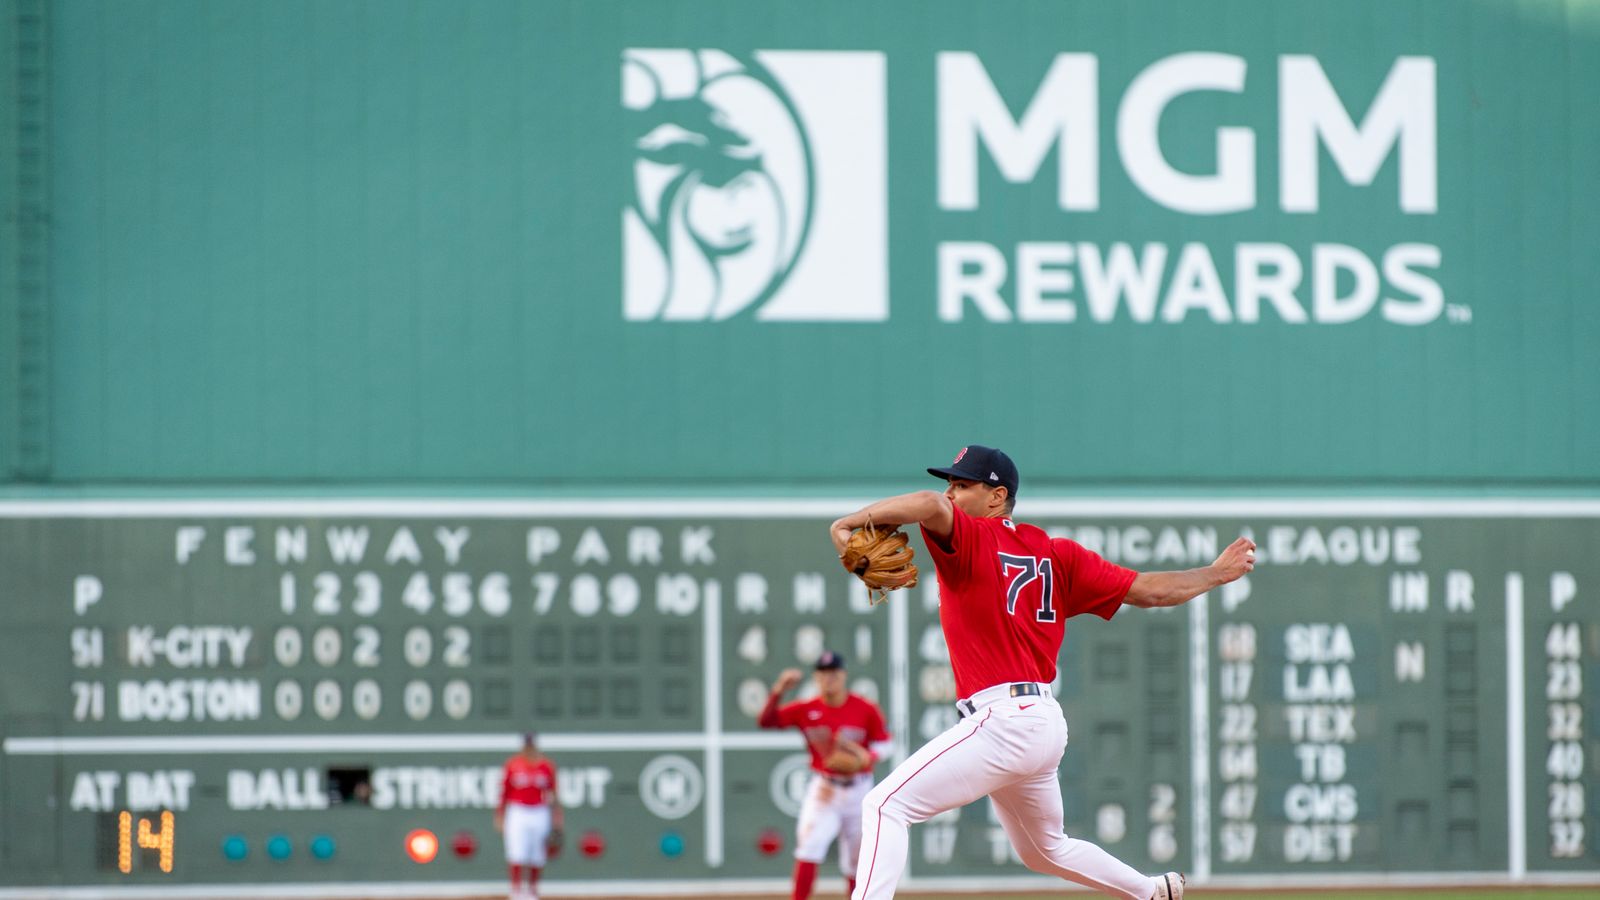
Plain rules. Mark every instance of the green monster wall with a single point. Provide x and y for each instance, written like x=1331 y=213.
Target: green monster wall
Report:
x=635 y=264
x=1399 y=693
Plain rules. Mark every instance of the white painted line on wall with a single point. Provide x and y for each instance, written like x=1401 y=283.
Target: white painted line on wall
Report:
x=1516 y=740
x=378 y=743
x=1200 y=733
x=711 y=650
x=753 y=507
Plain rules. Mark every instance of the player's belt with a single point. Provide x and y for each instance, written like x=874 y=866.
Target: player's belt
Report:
x=970 y=705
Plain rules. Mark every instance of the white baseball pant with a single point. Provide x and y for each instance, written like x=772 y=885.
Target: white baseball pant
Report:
x=1009 y=749
x=832 y=810
x=526 y=829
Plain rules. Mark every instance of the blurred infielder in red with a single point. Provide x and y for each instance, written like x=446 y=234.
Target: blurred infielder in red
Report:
x=846 y=737
x=528 y=811
x=1006 y=591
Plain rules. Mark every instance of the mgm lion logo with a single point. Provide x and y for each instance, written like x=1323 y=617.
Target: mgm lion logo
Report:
x=753 y=186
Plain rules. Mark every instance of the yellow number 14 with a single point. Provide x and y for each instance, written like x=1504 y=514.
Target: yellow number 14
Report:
x=148 y=840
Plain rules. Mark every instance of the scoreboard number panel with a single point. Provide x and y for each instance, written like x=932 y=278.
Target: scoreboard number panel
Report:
x=273 y=693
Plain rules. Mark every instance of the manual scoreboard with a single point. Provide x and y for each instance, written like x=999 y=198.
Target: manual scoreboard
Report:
x=279 y=692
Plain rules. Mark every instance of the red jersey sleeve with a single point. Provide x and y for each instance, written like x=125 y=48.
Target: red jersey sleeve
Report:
x=1093 y=584
x=785 y=716
x=952 y=557
x=775 y=716
x=876 y=731
x=791 y=714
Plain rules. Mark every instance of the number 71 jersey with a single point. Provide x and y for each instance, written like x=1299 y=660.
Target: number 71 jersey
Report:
x=1006 y=590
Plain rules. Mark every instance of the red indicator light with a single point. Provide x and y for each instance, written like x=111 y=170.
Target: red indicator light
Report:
x=593 y=844
x=769 y=841
x=422 y=846
x=465 y=843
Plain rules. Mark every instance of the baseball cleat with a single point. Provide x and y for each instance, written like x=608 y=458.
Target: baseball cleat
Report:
x=1169 y=886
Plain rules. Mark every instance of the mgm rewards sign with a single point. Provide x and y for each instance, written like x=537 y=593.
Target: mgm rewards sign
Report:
x=761 y=182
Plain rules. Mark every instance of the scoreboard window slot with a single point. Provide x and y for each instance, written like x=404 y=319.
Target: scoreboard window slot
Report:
x=625 y=644
x=1166 y=695
x=675 y=645
x=1411 y=821
x=547 y=698
x=107 y=841
x=1165 y=762
x=496 y=645
x=586 y=644
x=496 y=698
x=1111 y=741
x=547 y=645
x=1460 y=675
x=1162 y=727
x=1162 y=643
x=1411 y=740
x=625 y=698
x=1461 y=639
x=1461 y=799
x=586 y=699
x=675 y=698
x=1111 y=661
x=349 y=784
x=1461 y=836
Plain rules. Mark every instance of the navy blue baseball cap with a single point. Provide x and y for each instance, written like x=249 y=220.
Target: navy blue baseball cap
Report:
x=982 y=464
x=829 y=660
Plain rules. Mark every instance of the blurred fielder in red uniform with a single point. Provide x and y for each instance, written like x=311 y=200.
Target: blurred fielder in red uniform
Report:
x=846 y=737
x=528 y=811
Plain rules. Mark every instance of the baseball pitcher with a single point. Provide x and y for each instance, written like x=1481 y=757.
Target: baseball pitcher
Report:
x=1006 y=590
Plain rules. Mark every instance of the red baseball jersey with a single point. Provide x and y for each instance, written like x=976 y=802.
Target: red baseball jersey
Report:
x=1006 y=591
x=857 y=719
x=527 y=782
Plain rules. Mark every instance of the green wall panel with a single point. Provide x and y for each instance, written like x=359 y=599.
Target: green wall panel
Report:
x=384 y=241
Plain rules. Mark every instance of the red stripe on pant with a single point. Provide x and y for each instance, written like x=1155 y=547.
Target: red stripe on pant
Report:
x=865 y=885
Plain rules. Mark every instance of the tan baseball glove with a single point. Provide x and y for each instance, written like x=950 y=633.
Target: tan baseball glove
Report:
x=847 y=758
x=880 y=558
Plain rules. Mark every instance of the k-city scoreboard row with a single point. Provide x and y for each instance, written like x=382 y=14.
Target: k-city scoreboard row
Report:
x=280 y=692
